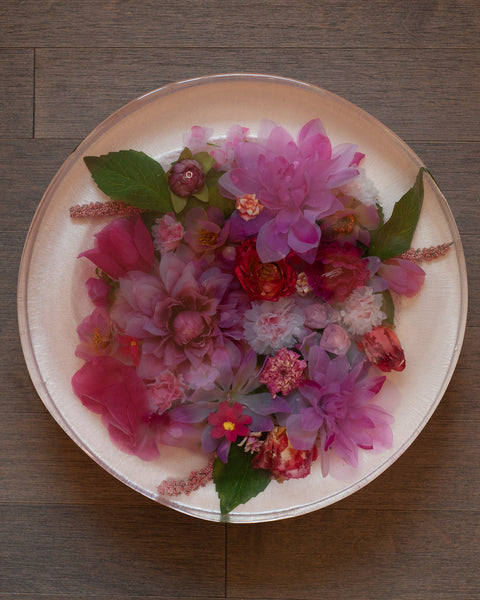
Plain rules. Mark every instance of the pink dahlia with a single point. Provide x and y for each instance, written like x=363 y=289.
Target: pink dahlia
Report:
x=177 y=312
x=293 y=181
x=123 y=245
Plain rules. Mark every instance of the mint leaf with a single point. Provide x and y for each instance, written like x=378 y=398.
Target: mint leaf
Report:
x=237 y=481
x=132 y=177
x=395 y=236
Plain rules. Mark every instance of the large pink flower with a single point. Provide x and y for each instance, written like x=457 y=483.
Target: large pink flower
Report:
x=114 y=390
x=292 y=180
x=181 y=313
x=123 y=245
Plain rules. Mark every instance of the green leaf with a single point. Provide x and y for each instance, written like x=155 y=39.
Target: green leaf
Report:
x=395 y=236
x=237 y=481
x=132 y=177
x=205 y=160
x=388 y=308
x=202 y=194
x=178 y=202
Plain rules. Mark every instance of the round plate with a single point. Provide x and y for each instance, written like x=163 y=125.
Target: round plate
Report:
x=52 y=300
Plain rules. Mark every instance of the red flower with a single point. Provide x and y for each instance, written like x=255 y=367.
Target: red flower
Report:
x=285 y=462
x=263 y=281
x=337 y=271
x=382 y=348
x=229 y=422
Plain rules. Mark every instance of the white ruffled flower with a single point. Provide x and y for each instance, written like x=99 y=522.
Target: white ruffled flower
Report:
x=362 y=311
x=270 y=326
x=362 y=188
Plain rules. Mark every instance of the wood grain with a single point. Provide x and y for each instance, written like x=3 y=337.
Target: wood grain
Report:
x=406 y=90
x=209 y=23
x=16 y=92
x=71 y=531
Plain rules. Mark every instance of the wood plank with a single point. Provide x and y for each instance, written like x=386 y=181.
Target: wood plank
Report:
x=417 y=100
x=16 y=92
x=111 y=551
x=352 y=554
x=331 y=23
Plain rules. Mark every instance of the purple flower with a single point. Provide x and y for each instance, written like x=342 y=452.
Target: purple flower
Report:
x=335 y=405
x=98 y=291
x=177 y=312
x=232 y=386
x=123 y=245
x=293 y=181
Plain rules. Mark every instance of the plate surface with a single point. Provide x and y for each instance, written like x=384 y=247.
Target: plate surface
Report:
x=52 y=302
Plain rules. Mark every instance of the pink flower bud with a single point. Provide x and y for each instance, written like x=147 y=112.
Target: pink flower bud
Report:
x=382 y=348
x=186 y=177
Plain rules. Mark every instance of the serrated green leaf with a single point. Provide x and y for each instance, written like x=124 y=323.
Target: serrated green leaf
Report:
x=237 y=481
x=132 y=177
x=395 y=236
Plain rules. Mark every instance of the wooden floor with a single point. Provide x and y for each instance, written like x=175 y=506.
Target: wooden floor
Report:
x=70 y=531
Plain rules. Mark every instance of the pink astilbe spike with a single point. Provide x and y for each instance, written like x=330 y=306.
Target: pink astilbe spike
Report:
x=102 y=209
x=196 y=480
x=426 y=254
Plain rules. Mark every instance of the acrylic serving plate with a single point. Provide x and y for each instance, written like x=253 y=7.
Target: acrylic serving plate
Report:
x=52 y=301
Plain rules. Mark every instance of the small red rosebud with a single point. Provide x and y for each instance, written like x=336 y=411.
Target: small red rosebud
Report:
x=382 y=348
x=186 y=177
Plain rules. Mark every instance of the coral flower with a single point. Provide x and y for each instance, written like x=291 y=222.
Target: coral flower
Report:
x=229 y=422
x=382 y=348
x=279 y=456
x=292 y=180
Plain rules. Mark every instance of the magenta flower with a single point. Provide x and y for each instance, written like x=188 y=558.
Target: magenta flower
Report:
x=112 y=389
x=293 y=181
x=403 y=276
x=283 y=372
x=337 y=271
x=98 y=291
x=122 y=246
x=229 y=422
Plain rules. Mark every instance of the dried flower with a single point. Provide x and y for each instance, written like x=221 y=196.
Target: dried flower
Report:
x=167 y=233
x=382 y=348
x=283 y=372
x=248 y=206
x=362 y=311
x=186 y=177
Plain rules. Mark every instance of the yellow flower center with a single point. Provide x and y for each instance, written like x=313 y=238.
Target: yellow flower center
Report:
x=207 y=238
x=98 y=341
x=229 y=426
x=345 y=224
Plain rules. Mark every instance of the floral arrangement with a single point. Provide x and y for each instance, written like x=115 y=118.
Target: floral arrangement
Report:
x=244 y=305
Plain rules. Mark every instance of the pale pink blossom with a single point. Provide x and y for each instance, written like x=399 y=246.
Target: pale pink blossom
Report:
x=167 y=233
x=197 y=139
x=335 y=340
x=362 y=311
x=166 y=389
x=403 y=276
x=271 y=325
